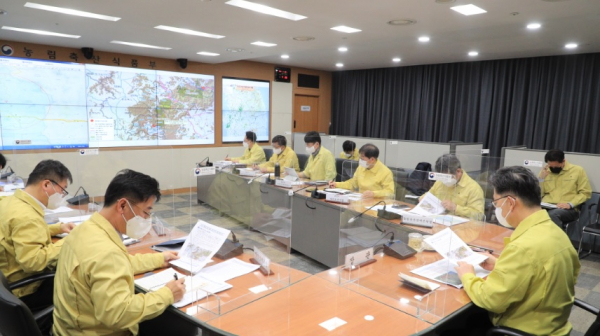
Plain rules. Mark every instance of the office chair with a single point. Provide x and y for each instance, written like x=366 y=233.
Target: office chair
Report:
x=302 y=159
x=593 y=228
x=593 y=330
x=268 y=153
x=17 y=319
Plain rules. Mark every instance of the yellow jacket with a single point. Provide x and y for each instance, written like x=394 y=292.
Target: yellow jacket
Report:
x=93 y=288
x=287 y=158
x=25 y=240
x=320 y=166
x=571 y=185
x=532 y=286
x=378 y=179
x=252 y=155
x=466 y=194
x=355 y=156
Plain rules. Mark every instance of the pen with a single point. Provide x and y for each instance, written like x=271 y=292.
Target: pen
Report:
x=175 y=276
x=482 y=248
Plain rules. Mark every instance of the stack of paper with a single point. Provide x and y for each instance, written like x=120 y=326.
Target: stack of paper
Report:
x=202 y=244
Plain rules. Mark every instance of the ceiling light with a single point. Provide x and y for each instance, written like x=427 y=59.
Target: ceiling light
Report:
x=189 y=32
x=265 y=9
x=303 y=38
x=402 y=22
x=208 y=53
x=468 y=9
x=445 y=1
x=234 y=50
x=39 y=32
x=424 y=39
x=264 y=44
x=342 y=49
x=571 y=45
x=285 y=56
x=339 y=65
x=345 y=29
x=396 y=59
x=141 y=45
x=534 y=26
x=473 y=53
x=71 y=12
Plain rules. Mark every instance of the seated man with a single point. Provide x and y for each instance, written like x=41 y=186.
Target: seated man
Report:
x=321 y=163
x=284 y=155
x=531 y=286
x=253 y=152
x=565 y=185
x=349 y=151
x=372 y=178
x=461 y=196
x=94 y=292
x=26 y=246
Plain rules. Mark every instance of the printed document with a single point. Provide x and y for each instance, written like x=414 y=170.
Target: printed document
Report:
x=443 y=271
x=451 y=247
x=228 y=270
x=202 y=244
x=429 y=205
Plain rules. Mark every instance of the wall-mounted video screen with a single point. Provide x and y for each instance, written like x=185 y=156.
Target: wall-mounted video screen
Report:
x=246 y=107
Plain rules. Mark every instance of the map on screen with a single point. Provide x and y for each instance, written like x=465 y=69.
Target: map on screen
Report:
x=245 y=108
x=42 y=104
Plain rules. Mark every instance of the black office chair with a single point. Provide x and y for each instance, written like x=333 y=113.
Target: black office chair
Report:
x=593 y=330
x=593 y=228
x=17 y=319
x=268 y=153
x=302 y=159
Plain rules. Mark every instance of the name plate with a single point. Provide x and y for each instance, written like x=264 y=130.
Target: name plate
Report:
x=532 y=163
x=440 y=177
x=283 y=183
x=410 y=219
x=357 y=258
x=337 y=198
x=247 y=172
x=203 y=171
x=262 y=259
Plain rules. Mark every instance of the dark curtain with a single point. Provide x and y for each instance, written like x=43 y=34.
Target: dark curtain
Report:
x=541 y=102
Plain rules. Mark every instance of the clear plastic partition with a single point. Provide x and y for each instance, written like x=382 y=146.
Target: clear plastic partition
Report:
x=254 y=220
x=348 y=169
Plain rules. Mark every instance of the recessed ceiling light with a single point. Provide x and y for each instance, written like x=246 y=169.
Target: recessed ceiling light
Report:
x=534 y=26
x=342 y=49
x=265 y=9
x=402 y=22
x=303 y=38
x=554 y=0
x=189 y=32
x=264 y=44
x=39 y=32
x=424 y=39
x=571 y=45
x=71 y=12
x=445 y=1
x=285 y=56
x=339 y=65
x=140 y=45
x=468 y=9
x=234 y=50
x=396 y=59
x=345 y=29
x=473 y=53
x=208 y=53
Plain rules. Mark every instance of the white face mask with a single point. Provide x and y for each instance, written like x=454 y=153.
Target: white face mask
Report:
x=277 y=151
x=363 y=163
x=348 y=155
x=56 y=200
x=310 y=150
x=245 y=144
x=138 y=226
x=450 y=183
x=502 y=219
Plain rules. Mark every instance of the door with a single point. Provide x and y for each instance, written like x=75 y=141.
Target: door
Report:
x=306 y=113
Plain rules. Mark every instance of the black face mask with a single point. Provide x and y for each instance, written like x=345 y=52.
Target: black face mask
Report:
x=555 y=170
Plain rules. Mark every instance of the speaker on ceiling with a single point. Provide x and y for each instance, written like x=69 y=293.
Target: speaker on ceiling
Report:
x=182 y=62
x=88 y=53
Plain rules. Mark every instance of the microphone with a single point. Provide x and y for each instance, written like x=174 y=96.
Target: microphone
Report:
x=207 y=164
x=81 y=199
x=7 y=172
x=254 y=178
x=351 y=220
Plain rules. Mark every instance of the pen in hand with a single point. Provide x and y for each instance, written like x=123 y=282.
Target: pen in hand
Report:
x=175 y=276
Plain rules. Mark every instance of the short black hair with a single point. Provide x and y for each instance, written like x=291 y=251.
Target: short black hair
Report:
x=519 y=182
x=49 y=170
x=2 y=161
x=369 y=150
x=447 y=163
x=554 y=155
x=280 y=140
x=134 y=186
x=312 y=137
x=251 y=136
x=349 y=146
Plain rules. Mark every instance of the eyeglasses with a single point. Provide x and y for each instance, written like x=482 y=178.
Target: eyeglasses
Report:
x=497 y=199
x=62 y=190
x=148 y=214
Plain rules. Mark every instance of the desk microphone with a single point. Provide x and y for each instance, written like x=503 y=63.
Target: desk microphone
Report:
x=7 y=172
x=351 y=220
x=207 y=164
x=81 y=199
x=256 y=177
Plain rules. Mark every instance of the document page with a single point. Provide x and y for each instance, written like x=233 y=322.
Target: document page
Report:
x=202 y=244
x=449 y=220
x=451 y=247
x=429 y=205
x=229 y=269
x=443 y=271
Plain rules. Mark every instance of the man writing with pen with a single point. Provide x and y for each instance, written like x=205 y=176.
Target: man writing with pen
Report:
x=372 y=178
